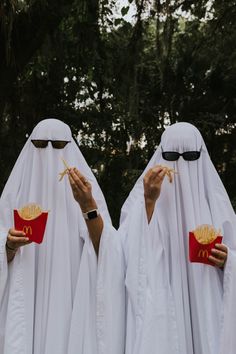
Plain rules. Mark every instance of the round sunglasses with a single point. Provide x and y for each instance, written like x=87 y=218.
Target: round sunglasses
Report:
x=56 y=144
x=187 y=155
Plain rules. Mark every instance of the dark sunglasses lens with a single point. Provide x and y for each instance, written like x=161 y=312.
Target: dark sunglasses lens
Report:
x=191 y=155
x=170 y=155
x=59 y=144
x=40 y=144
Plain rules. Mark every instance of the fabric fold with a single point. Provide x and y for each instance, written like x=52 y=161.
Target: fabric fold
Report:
x=228 y=324
x=110 y=294
x=151 y=321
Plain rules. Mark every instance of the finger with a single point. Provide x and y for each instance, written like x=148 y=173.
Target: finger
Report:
x=153 y=171
x=146 y=178
x=85 y=181
x=159 y=176
x=216 y=261
x=162 y=173
x=158 y=169
x=147 y=175
x=75 y=181
x=15 y=239
x=222 y=247
x=80 y=176
x=20 y=244
x=75 y=190
x=17 y=233
x=158 y=173
x=219 y=254
x=75 y=175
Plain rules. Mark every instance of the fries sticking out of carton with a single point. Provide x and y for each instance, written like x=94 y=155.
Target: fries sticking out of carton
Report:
x=201 y=242
x=63 y=173
x=170 y=172
x=206 y=234
x=32 y=220
x=30 y=211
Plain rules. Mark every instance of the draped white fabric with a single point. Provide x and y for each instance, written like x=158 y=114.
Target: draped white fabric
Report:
x=111 y=294
x=175 y=306
x=47 y=294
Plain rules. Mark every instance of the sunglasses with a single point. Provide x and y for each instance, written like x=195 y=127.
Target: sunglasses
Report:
x=187 y=155
x=56 y=144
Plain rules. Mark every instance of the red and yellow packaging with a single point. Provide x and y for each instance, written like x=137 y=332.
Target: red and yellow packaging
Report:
x=32 y=220
x=201 y=242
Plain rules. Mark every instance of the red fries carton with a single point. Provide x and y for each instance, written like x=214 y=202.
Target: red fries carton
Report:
x=201 y=242
x=32 y=220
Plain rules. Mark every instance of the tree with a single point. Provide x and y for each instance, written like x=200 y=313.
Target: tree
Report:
x=118 y=84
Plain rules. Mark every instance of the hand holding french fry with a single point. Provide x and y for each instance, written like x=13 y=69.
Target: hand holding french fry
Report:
x=82 y=190
x=153 y=180
x=152 y=183
x=152 y=188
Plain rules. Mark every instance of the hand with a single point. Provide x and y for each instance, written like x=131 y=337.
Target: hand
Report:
x=152 y=188
x=82 y=190
x=16 y=239
x=152 y=183
x=219 y=255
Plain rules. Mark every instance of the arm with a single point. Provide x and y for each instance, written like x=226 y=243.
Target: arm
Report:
x=82 y=191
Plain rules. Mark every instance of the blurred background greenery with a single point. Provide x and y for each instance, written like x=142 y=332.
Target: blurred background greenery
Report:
x=118 y=73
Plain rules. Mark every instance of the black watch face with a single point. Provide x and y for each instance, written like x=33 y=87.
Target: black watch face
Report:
x=92 y=214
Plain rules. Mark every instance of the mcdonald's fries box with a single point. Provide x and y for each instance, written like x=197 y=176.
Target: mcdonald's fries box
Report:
x=34 y=228
x=199 y=252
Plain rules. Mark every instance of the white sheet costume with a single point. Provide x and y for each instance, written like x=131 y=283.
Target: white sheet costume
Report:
x=48 y=292
x=174 y=306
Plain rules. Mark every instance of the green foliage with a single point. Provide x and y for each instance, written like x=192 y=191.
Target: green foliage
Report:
x=119 y=84
x=124 y=10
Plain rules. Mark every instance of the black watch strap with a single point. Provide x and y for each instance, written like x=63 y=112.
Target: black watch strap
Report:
x=91 y=214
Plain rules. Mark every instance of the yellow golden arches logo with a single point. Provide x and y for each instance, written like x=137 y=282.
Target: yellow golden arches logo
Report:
x=203 y=253
x=27 y=230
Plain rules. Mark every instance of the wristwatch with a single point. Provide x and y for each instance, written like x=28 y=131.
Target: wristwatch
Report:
x=91 y=214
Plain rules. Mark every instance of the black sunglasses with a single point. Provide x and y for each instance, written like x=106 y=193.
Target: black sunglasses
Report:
x=56 y=144
x=187 y=155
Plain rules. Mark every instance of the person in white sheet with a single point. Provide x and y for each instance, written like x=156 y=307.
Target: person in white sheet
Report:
x=110 y=305
x=48 y=291
x=175 y=306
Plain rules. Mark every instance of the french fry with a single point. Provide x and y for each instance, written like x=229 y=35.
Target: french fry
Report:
x=63 y=173
x=169 y=173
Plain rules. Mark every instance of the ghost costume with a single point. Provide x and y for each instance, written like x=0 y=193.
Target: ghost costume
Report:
x=174 y=306
x=48 y=292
